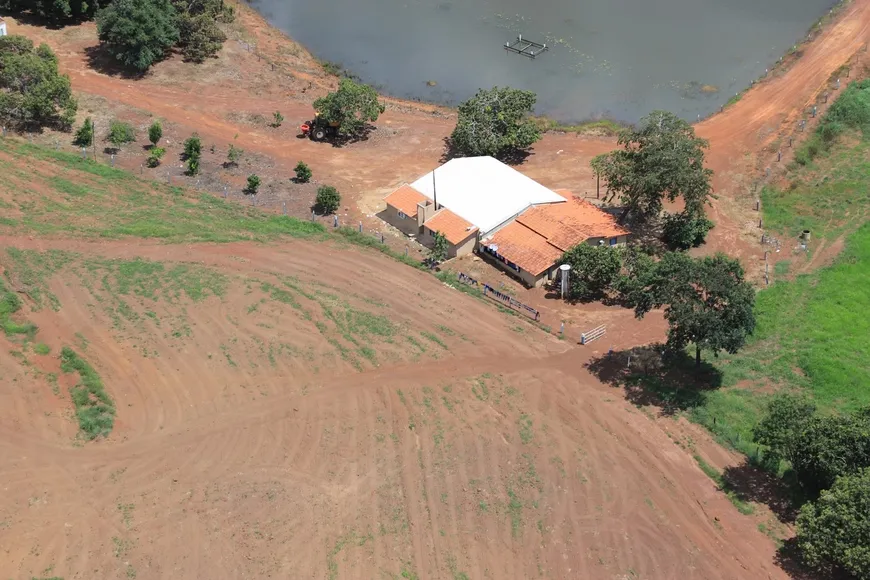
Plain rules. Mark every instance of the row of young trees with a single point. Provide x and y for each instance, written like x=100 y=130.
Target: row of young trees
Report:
x=829 y=456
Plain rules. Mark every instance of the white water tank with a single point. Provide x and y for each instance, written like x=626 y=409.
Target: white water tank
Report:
x=2 y=27
x=565 y=269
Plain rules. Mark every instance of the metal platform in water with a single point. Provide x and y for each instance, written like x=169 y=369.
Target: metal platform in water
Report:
x=526 y=47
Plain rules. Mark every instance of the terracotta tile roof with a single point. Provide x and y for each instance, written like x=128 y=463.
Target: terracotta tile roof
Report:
x=566 y=193
x=567 y=224
x=453 y=227
x=542 y=233
x=524 y=247
x=405 y=199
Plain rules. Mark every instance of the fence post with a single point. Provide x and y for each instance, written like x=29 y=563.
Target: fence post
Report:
x=335 y=221
x=757 y=205
x=360 y=227
x=382 y=237
x=284 y=207
x=562 y=329
x=225 y=192
x=406 y=251
x=112 y=162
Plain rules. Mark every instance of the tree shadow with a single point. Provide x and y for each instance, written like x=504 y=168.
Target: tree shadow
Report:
x=513 y=157
x=788 y=557
x=101 y=60
x=656 y=376
x=754 y=481
x=31 y=19
x=363 y=135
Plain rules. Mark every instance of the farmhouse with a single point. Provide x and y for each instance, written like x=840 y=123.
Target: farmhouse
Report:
x=480 y=204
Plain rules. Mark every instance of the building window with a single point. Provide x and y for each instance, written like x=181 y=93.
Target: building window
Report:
x=402 y=215
x=613 y=241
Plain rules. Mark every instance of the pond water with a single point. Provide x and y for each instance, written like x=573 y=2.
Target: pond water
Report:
x=611 y=58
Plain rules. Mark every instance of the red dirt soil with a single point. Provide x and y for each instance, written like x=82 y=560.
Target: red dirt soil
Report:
x=493 y=454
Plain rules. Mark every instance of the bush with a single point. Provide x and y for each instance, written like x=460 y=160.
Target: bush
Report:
x=253 y=185
x=85 y=135
x=120 y=133
x=234 y=155
x=685 y=230
x=277 y=119
x=834 y=531
x=594 y=269
x=32 y=91
x=303 y=172
x=192 y=153
x=830 y=447
x=787 y=416
x=138 y=33
x=155 y=133
x=154 y=156
x=328 y=200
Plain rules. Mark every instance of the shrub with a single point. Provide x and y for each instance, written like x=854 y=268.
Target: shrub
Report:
x=192 y=153
x=155 y=133
x=303 y=172
x=328 y=200
x=120 y=133
x=834 y=530
x=85 y=135
x=253 y=185
x=685 y=230
x=440 y=248
x=277 y=119
x=234 y=155
x=200 y=37
x=154 y=156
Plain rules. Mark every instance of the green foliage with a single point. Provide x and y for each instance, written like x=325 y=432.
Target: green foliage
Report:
x=328 y=200
x=851 y=110
x=277 y=119
x=138 y=33
x=234 y=155
x=85 y=135
x=495 y=122
x=831 y=446
x=661 y=158
x=303 y=172
x=199 y=37
x=684 y=230
x=155 y=133
x=154 y=156
x=707 y=301
x=192 y=153
x=42 y=349
x=440 y=247
x=835 y=529
x=10 y=303
x=352 y=106
x=120 y=133
x=253 y=185
x=787 y=417
x=95 y=410
x=32 y=91
x=56 y=10
x=594 y=269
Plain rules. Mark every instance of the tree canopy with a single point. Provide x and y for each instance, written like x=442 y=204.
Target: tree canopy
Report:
x=835 y=529
x=440 y=248
x=56 y=10
x=352 y=106
x=138 y=33
x=707 y=301
x=593 y=270
x=495 y=122
x=830 y=446
x=787 y=417
x=32 y=91
x=660 y=158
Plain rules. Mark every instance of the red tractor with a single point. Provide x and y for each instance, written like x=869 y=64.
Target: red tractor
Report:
x=318 y=129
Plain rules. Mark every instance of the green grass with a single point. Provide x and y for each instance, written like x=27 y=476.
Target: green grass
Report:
x=95 y=410
x=10 y=303
x=742 y=506
x=601 y=126
x=33 y=270
x=42 y=348
x=851 y=110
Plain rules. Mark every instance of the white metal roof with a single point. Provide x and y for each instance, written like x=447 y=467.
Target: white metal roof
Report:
x=483 y=190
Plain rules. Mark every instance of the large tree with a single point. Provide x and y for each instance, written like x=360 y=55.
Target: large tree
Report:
x=707 y=301
x=831 y=446
x=495 y=122
x=835 y=529
x=138 y=33
x=56 y=10
x=352 y=107
x=660 y=158
x=32 y=92
x=787 y=417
